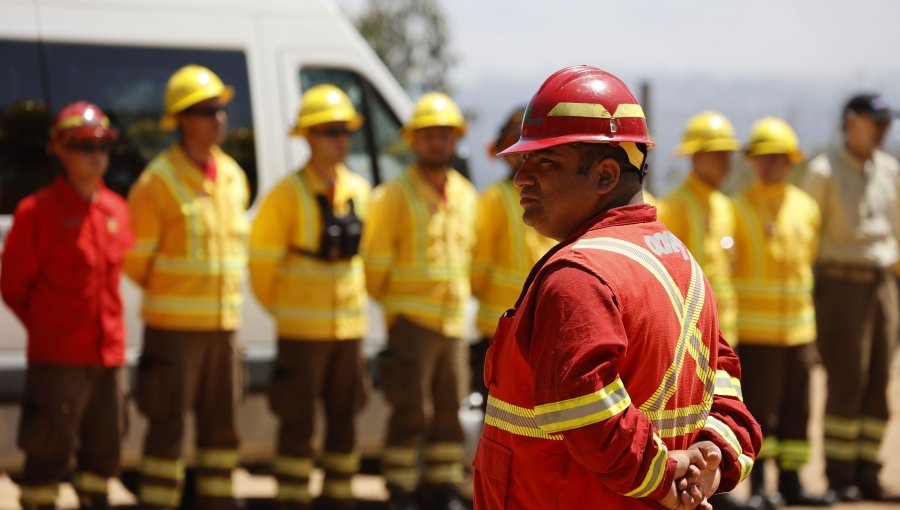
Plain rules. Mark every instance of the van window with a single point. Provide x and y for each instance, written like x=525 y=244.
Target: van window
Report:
x=24 y=124
x=129 y=84
x=377 y=150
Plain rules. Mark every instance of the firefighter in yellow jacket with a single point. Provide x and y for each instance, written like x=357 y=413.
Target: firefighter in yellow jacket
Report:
x=776 y=236
x=417 y=250
x=505 y=248
x=187 y=212
x=700 y=215
x=305 y=269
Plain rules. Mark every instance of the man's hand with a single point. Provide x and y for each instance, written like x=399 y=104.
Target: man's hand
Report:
x=710 y=475
x=685 y=492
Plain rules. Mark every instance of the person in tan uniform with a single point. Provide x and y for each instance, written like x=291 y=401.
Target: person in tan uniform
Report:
x=306 y=270
x=417 y=255
x=856 y=187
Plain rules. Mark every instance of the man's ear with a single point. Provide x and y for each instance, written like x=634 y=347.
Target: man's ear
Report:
x=607 y=173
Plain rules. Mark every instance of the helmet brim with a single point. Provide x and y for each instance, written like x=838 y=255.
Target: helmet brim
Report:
x=545 y=143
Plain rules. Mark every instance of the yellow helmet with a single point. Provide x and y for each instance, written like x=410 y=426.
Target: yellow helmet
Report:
x=322 y=104
x=771 y=135
x=708 y=132
x=190 y=85
x=435 y=109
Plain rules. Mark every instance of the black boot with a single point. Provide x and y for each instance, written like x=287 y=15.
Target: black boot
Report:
x=759 y=496
x=795 y=495
x=403 y=500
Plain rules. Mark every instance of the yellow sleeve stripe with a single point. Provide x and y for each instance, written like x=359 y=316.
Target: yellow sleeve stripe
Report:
x=655 y=474
x=581 y=411
x=728 y=386
x=720 y=428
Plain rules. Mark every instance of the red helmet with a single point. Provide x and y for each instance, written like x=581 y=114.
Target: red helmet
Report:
x=81 y=120
x=582 y=104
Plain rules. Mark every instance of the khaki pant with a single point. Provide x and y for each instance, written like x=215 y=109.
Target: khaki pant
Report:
x=857 y=321
x=180 y=372
x=304 y=373
x=71 y=411
x=775 y=382
x=424 y=377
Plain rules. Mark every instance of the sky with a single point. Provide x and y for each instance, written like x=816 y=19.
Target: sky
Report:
x=797 y=59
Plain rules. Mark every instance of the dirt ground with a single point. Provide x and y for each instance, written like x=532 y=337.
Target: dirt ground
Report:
x=372 y=488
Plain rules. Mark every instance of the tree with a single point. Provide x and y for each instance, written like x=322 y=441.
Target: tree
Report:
x=412 y=40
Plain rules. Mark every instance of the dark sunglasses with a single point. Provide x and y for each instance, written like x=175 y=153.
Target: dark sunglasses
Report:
x=205 y=111
x=332 y=132
x=89 y=147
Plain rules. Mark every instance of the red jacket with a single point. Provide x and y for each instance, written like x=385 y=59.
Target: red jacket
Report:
x=611 y=357
x=60 y=275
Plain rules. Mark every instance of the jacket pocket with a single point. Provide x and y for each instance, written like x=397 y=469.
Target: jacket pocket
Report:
x=492 y=465
x=159 y=391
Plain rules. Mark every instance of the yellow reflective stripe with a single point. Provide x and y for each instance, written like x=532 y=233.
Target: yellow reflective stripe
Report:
x=680 y=421
x=187 y=305
x=774 y=290
x=306 y=269
x=299 y=467
x=409 y=273
x=218 y=486
x=514 y=419
x=337 y=489
x=399 y=456
x=868 y=450
x=162 y=468
x=346 y=463
x=624 y=110
x=873 y=428
x=322 y=314
x=729 y=437
x=404 y=478
x=756 y=234
x=144 y=246
x=585 y=410
x=268 y=254
x=293 y=492
x=420 y=305
x=589 y=110
x=306 y=200
x=159 y=495
x=769 y=449
x=167 y=172
x=90 y=482
x=182 y=265
x=39 y=494
x=379 y=262
x=655 y=473
x=217 y=458
x=728 y=386
x=837 y=449
x=444 y=473
x=510 y=196
x=443 y=452
x=840 y=427
x=794 y=453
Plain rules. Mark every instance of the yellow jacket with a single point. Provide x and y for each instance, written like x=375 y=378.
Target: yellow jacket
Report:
x=505 y=250
x=310 y=298
x=190 y=242
x=775 y=244
x=702 y=217
x=417 y=250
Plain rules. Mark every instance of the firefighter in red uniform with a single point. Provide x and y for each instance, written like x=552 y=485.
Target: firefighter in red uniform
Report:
x=61 y=267
x=609 y=381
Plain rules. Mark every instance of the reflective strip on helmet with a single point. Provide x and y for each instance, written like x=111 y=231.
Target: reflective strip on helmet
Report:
x=573 y=413
x=655 y=474
x=595 y=111
x=514 y=419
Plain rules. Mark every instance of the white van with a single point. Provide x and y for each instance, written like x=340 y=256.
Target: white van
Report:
x=119 y=54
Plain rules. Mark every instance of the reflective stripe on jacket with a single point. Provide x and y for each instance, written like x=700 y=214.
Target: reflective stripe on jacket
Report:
x=190 y=249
